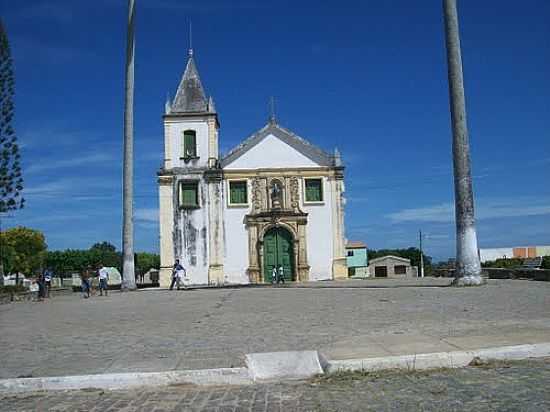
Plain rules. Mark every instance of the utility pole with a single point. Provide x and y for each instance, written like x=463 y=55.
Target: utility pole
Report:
x=421 y=256
x=468 y=268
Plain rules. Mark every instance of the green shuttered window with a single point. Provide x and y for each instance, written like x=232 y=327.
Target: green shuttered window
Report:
x=189 y=144
x=189 y=195
x=314 y=190
x=238 y=193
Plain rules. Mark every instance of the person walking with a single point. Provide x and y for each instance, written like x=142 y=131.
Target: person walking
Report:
x=85 y=283
x=178 y=272
x=281 y=274
x=47 y=283
x=41 y=286
x=274 y=275
x=103 y=279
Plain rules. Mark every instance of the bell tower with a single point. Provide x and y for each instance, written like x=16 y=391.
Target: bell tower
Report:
x=190 y=188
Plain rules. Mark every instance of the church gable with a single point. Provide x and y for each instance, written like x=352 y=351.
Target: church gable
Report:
x=275 y=147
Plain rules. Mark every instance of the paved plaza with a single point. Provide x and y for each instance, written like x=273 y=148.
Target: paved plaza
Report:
x=167 y=330
x=518 y=386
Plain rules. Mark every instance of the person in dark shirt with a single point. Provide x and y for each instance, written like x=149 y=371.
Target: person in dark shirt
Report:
x=178 y=272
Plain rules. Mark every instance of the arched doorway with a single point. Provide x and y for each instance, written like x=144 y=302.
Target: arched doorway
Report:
x=278 y=250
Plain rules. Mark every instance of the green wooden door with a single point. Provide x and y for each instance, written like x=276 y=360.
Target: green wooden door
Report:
x=270 y=254
x=278 y=250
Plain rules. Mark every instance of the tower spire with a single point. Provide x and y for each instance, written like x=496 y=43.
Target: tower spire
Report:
x=272 y=118
x=190 y=39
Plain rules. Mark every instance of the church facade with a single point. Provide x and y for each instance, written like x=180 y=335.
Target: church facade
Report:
x=274 y=200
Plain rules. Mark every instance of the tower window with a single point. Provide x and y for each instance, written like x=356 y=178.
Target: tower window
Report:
x=314 y=190
x=189 y=144
x=189 y=195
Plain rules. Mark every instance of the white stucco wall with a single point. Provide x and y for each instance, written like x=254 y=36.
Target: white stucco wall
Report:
x=319 y=235
x=236 y=241
x=271 y=152
x=175 y=147
x=487 y=255
x=192 y=230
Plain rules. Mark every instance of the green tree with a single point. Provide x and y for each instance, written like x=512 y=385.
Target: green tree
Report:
x=546 y=262
x=25 y=250
x=65 y=262
x=11 y=178
x=146 y=261
x=104 y=247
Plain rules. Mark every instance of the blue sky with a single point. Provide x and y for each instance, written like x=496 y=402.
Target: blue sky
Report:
x=366 y=76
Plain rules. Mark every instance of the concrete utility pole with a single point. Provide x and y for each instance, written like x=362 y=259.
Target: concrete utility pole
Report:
x=128 y=270
x=421 y=256
x=468 y=268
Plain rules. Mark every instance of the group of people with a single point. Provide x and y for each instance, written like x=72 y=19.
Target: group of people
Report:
x=44 y=282
x=278 y=275
x=86 y=281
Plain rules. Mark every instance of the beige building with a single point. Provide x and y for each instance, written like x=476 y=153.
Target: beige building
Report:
x=392 y=267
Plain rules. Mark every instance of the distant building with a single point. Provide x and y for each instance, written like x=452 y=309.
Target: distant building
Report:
x=392 y=267
x=521 y=252
x=357 y=260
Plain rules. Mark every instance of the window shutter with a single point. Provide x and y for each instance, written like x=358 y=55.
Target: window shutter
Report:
x=189 y=194
x=189 y=144
x=237 y=193
x=314 y=190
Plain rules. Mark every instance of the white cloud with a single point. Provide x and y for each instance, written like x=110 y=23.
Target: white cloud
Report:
x=93 y=160
x=70 y=188
x=147 y=215
x=486 y=209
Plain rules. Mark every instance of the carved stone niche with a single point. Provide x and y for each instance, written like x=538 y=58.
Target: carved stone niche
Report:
x=277 y=194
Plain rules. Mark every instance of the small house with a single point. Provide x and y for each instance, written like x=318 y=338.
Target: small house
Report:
x=392 y=267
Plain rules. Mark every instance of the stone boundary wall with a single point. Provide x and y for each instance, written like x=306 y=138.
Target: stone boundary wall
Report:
x=504 y=273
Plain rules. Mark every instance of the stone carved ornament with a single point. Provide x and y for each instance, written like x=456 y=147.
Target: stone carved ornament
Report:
x=256 y=195
x=276 y=194
x=295 y=194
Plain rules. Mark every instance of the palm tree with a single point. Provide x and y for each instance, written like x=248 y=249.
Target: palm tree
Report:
x=468 y=268
x=128 y=270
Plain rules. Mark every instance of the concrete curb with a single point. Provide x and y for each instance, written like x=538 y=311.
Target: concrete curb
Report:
x=225 y=376
x=244 y=376
x=458 y=359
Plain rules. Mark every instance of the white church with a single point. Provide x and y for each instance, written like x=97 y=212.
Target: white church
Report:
x=275 y=199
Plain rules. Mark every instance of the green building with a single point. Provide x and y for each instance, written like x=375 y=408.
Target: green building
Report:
x=357 y=260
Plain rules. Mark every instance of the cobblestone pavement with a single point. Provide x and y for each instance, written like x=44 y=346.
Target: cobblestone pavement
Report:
x=166 y=330
x=518 y=386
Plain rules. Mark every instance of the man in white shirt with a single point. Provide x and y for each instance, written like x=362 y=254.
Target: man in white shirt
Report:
x=103 y=278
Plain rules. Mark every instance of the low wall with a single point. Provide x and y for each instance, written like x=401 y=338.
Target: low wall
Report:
x=504 y=273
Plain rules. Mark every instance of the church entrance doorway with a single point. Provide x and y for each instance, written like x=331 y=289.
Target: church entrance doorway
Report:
x=278 y=251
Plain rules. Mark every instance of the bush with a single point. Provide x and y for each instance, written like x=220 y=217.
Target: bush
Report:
x=546 y=262
x=504 y=263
